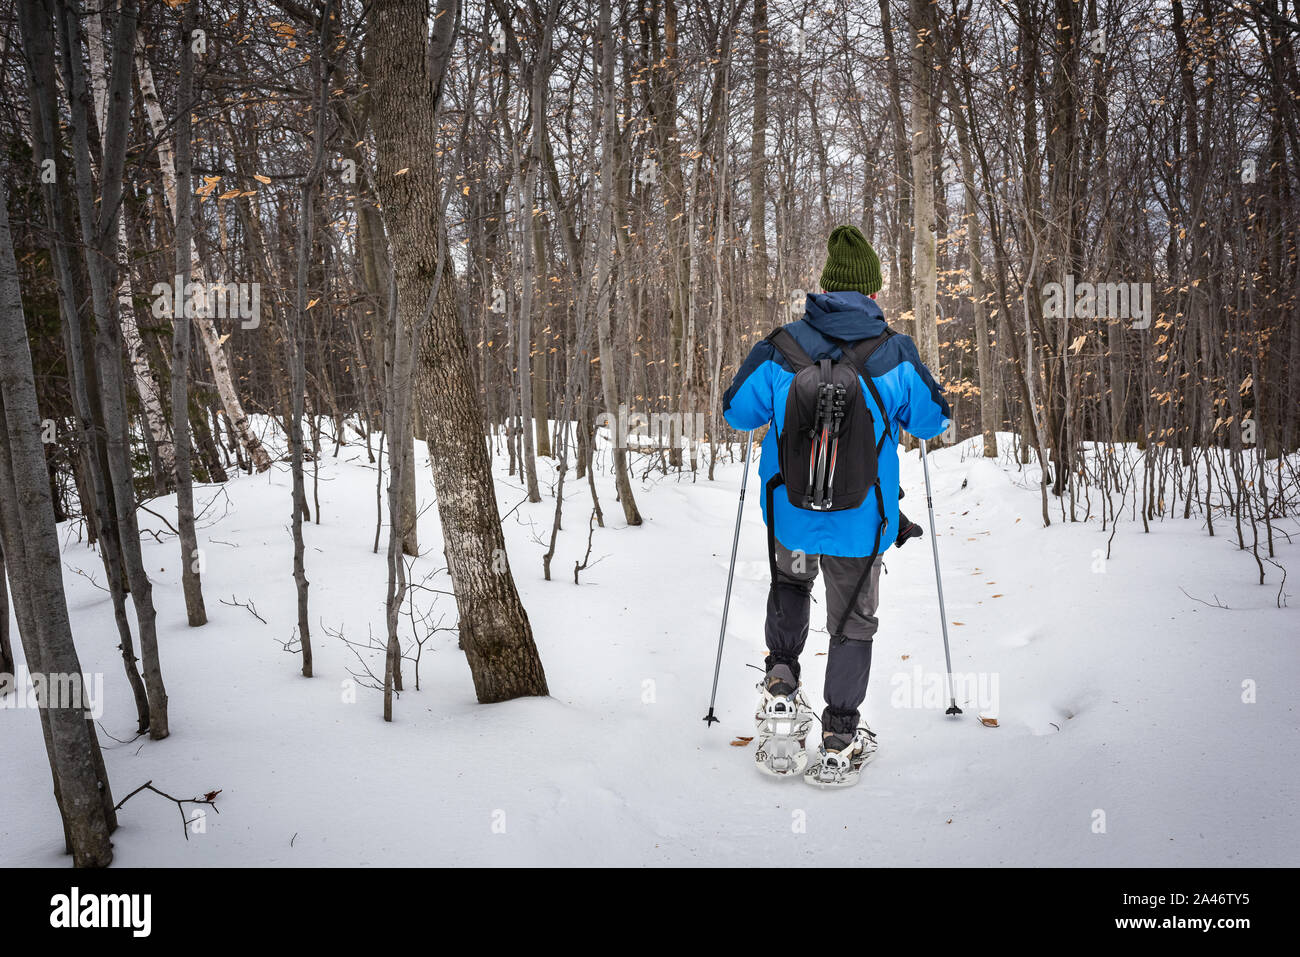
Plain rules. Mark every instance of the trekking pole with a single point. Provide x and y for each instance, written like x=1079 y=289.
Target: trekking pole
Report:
x=938 y=580
x=731 y=571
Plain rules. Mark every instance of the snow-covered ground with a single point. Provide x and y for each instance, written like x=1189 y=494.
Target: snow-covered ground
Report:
x=1123 y=735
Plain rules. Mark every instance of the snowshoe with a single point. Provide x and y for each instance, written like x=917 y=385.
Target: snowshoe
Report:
x=842 y=759
x=783 y=720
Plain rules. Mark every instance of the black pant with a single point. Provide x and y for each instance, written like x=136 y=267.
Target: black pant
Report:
x=848 y=663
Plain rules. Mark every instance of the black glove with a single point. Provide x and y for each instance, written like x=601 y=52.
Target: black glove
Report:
x=906 y=529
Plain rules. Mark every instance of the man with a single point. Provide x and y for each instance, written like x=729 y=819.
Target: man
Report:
x=808 y=534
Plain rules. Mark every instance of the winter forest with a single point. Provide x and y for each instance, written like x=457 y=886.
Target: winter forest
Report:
x=362 y=369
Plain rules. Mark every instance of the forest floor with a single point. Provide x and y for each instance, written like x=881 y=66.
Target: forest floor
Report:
x=1117 y=685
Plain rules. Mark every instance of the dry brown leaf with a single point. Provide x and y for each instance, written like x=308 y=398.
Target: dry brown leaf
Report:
x=988 y=722
x=262 y=179
x=740 y=742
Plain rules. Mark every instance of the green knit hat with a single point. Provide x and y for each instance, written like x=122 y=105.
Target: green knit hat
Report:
x=851 y=263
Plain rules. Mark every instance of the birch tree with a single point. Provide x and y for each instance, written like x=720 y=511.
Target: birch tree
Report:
x=98 y=210
x=146 y=380
x=212 y=340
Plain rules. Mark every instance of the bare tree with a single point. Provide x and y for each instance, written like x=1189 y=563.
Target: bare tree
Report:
x=605 y=268
x=494 y=627
x=98 y=212
x=921 y=19
x=191 y=582
x=34 y=569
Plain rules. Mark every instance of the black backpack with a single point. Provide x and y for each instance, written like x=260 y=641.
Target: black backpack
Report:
x=827 y=454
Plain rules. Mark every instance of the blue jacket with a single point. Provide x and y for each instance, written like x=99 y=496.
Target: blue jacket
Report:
x=912 y=401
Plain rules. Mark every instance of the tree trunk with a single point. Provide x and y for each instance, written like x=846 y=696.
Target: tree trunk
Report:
x=494 y=628
x=297 y=348
x=91 y=460
x=605 y=267
x=212 y=343
x=902 y=165
x=98 y=216
x=146 y=382
x=926 y=278
x=531 y=264
x=978 y=288
x=758 y=168
x=196 y=614
x=35 y=569
x=6 y=647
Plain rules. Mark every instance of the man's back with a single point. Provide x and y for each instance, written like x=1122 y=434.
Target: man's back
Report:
x=912 y=401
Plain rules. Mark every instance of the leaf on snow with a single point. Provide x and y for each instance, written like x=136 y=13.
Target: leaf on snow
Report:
x=740 y=742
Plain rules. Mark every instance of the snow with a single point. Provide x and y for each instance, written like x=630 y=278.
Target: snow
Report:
x=1119 y=697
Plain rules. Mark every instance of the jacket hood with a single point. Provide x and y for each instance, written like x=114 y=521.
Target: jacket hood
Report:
x=848 y=316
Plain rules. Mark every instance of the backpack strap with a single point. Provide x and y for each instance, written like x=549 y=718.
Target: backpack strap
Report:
x=789 y=347
x=858 y=354
x=860 y=351
x=769 y=491
x=866 y=569
x=798 y=359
